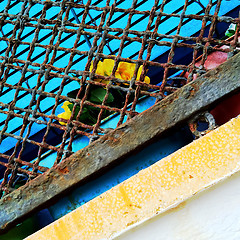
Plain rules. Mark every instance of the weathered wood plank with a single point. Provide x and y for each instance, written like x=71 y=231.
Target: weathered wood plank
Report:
x=178 y=107
x=163 y=189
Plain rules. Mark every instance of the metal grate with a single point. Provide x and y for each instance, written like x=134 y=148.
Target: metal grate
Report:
x=52 y=52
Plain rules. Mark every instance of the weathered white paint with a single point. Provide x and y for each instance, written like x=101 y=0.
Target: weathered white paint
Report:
x=213 y=214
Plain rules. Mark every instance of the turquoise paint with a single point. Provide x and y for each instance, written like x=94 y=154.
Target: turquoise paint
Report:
x=133 y=164
x=130 y=166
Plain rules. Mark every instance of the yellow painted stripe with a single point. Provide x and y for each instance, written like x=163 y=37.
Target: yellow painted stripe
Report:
x=153 y=190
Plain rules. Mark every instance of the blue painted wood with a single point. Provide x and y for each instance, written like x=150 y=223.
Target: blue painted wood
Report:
x=144 y=158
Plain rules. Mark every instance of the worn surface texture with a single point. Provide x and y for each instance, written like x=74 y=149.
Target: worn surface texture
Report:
x=167 y=183
x=212 y=214
x=178 y=107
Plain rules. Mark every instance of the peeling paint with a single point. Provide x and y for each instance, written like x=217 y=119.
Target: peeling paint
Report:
x=165 y=185
x=123 y=140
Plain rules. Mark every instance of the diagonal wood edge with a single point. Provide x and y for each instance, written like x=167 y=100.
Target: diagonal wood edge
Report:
x=158 y=190
x=172 y=110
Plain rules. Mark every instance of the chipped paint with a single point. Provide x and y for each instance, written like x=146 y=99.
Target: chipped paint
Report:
x=212 y=214
x=170 y=111
x=152 y=191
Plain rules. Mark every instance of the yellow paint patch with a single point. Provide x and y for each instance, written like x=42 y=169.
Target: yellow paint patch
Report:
x=153 y=190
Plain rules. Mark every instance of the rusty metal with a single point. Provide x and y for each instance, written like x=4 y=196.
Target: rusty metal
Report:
x=34 y=66
x=204 y=117
x=180 y=106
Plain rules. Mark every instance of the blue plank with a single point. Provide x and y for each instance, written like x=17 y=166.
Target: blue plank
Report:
x=130 y=166
x=146 y=156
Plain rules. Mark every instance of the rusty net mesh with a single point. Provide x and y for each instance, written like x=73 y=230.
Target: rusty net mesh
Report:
x=68 y=67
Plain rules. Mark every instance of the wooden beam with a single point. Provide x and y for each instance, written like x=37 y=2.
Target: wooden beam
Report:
x=174 y=109
x=164 y=185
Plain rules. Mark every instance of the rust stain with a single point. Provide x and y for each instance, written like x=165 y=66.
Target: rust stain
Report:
x=194 y=90
x=125 y=136
x=131 y=223
x=118 y=205
x=7 y=198
x=111 y=140
x=64 y=170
